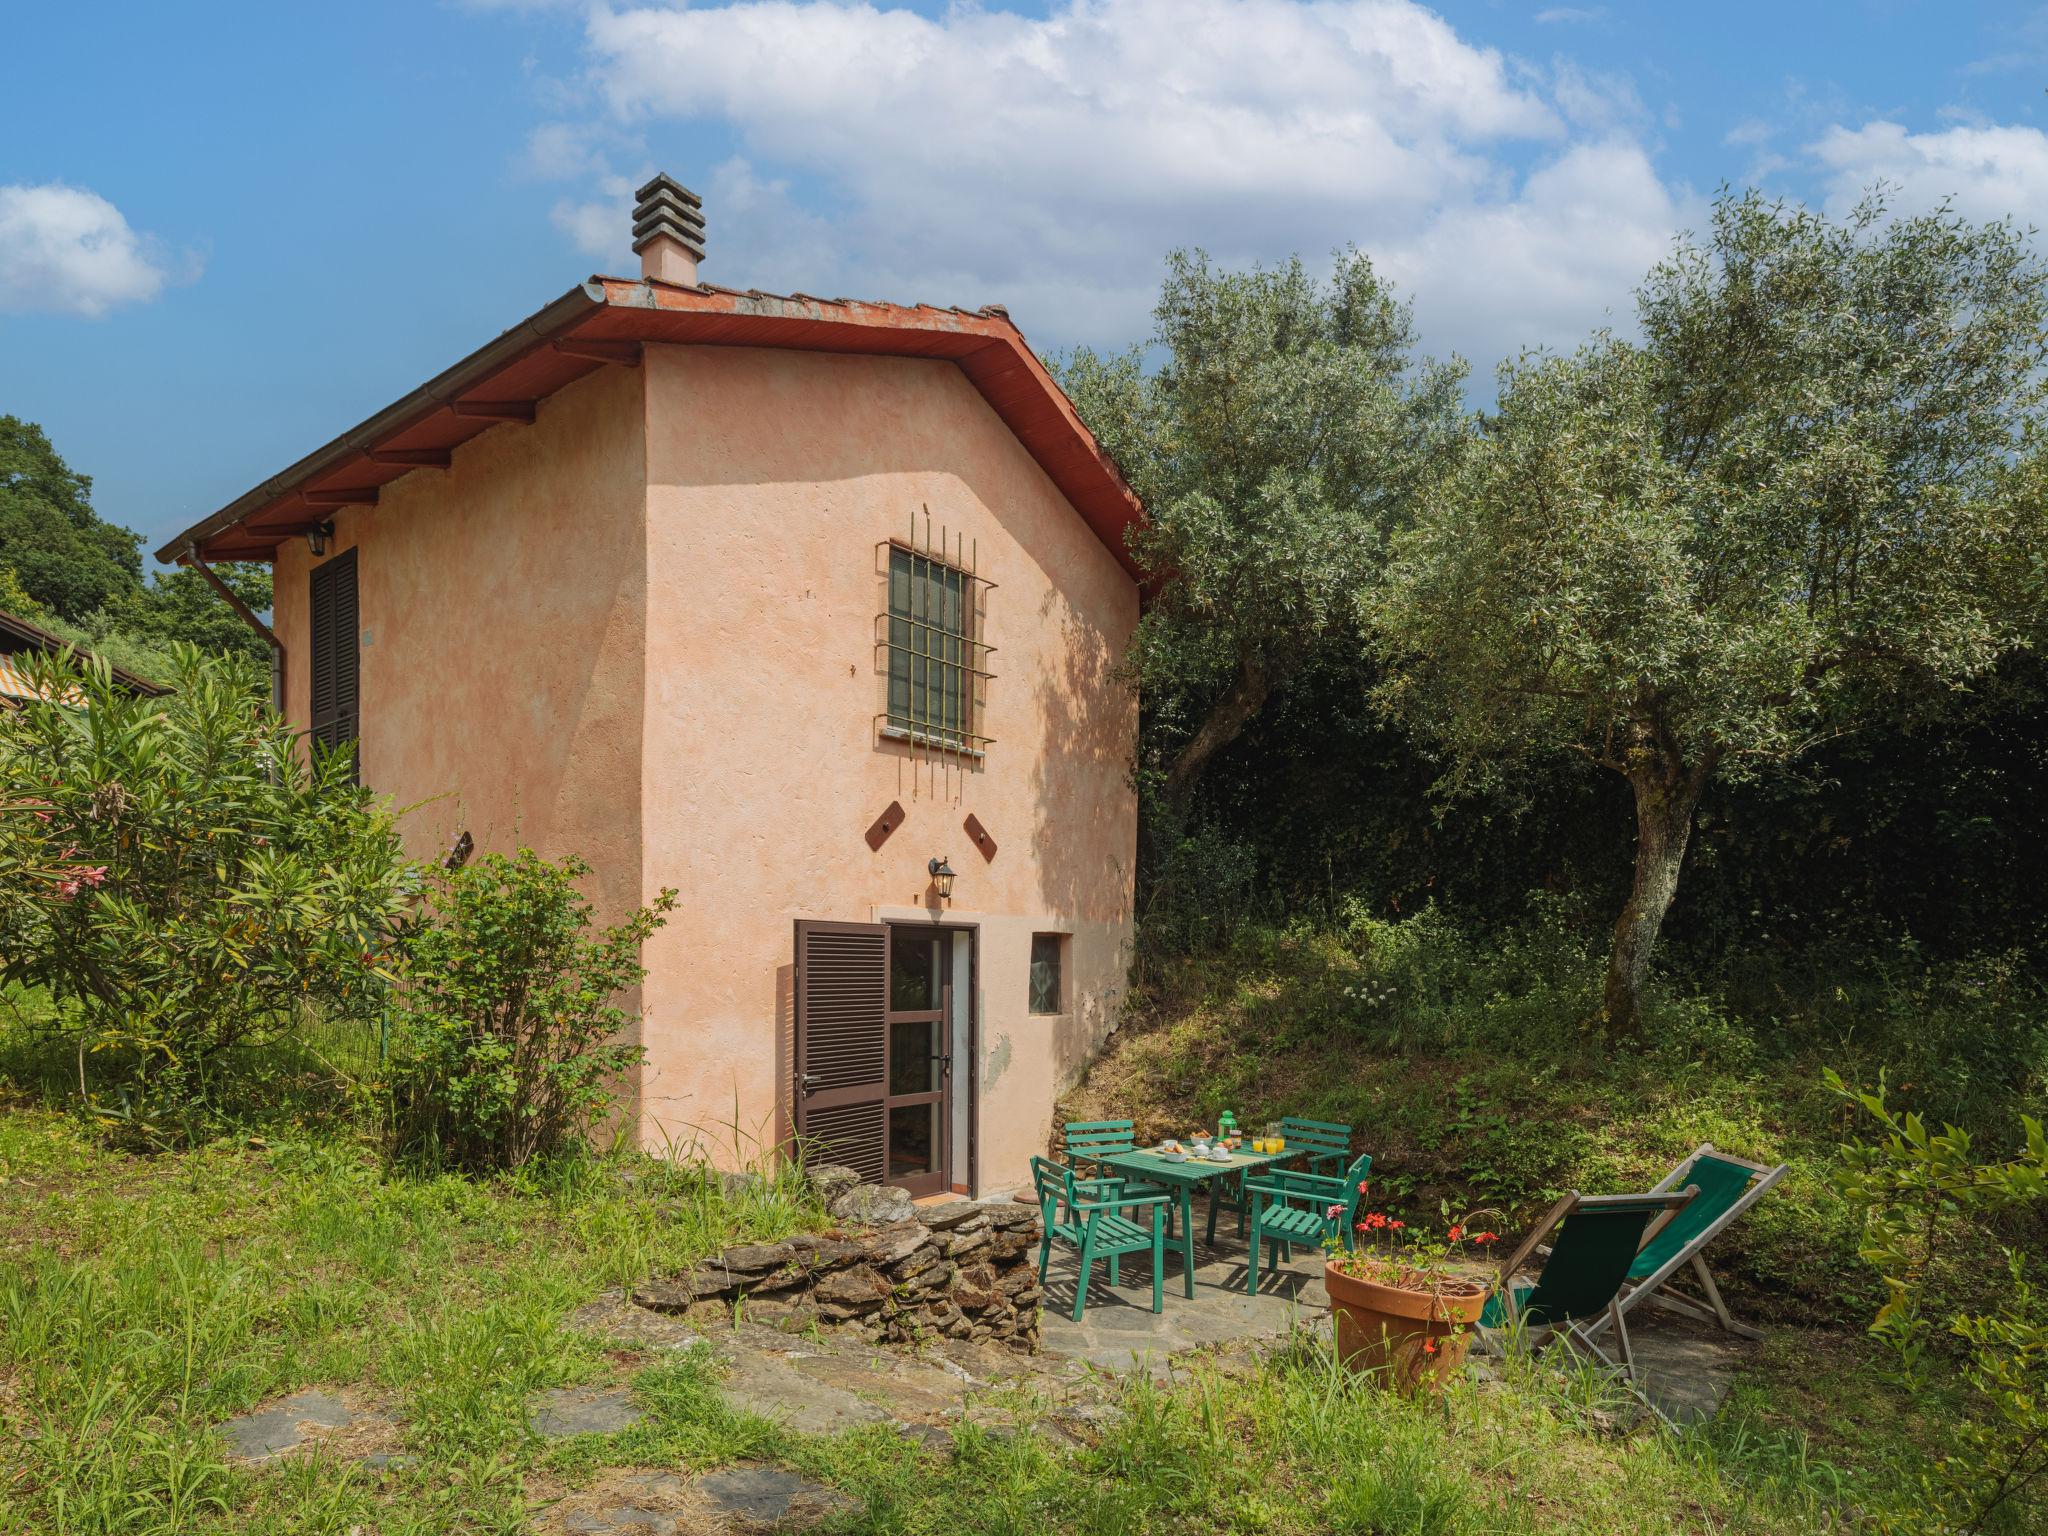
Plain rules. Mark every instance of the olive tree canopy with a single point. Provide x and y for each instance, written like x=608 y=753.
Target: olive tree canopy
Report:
x=1812 y=484
x=1281 y=436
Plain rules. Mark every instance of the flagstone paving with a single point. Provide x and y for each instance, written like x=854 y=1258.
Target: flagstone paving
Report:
x=823 y=1381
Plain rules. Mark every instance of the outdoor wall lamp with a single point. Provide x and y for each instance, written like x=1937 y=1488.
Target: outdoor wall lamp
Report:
x=317 y=537
x=942 y=876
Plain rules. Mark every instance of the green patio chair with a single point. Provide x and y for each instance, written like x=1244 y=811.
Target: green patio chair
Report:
x=1279 y=1218
x=1087 y=1142
x=1323 y=1144
x=1584 y=1268
x=1727 y=1187
x=1076 y=1213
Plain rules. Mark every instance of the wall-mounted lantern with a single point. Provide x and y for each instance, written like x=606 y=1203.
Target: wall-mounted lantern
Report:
x=942 y=876
x=317 y=537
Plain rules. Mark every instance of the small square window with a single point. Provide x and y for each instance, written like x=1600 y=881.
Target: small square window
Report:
x=1048 y=985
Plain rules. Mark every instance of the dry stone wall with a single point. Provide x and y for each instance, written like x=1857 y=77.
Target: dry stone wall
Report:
x=965 y=1269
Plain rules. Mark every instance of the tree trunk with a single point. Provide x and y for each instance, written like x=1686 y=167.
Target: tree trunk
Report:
x=1666 y=793
x=1224 y=723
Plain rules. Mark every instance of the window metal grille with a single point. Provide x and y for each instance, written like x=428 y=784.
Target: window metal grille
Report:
x=934 y=661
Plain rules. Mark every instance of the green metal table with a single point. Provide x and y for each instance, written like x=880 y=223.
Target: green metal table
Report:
x=1184 y=1179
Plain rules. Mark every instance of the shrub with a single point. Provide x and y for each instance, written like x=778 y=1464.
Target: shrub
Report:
x=509 y=1044
x=1921 y=1192
x=183 y=880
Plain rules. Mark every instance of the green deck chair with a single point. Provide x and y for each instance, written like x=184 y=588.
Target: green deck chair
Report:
x=1323 y=1144
x=1075 y=1212
x=1584 y=1269
x=1281 y=1219
x=1727 y=1187
x=1087 y=1142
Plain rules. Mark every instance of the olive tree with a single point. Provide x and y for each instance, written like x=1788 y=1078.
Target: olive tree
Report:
x=1809 y=491
x=1282 y=433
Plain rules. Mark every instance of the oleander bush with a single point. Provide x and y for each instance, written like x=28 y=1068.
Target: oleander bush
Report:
x=184 y=883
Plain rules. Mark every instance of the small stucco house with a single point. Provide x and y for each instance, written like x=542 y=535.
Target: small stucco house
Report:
x=809 y=608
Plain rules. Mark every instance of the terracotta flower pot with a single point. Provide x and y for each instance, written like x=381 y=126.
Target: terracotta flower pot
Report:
x=1388 y=1332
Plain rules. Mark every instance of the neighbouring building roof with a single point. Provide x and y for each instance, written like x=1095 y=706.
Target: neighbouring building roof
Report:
x=18 y=635
x=605 y=321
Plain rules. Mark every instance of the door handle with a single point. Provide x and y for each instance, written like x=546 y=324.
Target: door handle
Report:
x=809 y=1082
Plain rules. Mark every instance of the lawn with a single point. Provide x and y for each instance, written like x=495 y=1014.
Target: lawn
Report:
x=145 y=1299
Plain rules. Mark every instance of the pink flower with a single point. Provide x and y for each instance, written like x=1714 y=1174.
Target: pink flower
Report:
x=66 y=889
x=1333 y=1213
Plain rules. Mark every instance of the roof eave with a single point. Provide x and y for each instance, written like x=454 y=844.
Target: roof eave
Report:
x=447 y=385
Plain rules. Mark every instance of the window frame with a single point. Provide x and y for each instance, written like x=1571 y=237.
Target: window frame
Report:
x=953 y=661
x=1062 y=946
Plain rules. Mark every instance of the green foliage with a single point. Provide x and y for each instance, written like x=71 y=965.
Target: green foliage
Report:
x=1202 y=891
x=510 y=1045
x=1922 y=1193
x=65 y=557
x=182 y=880
x=1274 y=448
x=64 y=567
x=1805 y=493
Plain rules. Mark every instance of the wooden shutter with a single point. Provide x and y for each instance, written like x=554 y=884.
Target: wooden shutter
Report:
x=336 y=661
x=842 y=1004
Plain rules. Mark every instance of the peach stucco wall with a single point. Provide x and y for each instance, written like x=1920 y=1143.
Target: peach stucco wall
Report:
x=643 y=629
x=773 y=477
x=502 y=608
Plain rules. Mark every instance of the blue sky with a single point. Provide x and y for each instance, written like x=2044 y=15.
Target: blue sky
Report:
x=229 y=232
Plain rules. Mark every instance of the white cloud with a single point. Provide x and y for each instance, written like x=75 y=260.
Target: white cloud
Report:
x=1556 y=14
x=1048 y=162
x=1985 y=172
x=1544 y=267
x=68 y=250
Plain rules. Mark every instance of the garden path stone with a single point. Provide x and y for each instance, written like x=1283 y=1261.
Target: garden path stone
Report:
x=764 y=1498
x=273 y=1431
x=1685 y=1368
x=769 y=1384
x=567 y=1411
x=614 y=1316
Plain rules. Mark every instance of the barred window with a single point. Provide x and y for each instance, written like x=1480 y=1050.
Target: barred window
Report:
x=934 y=661
x=931 y=691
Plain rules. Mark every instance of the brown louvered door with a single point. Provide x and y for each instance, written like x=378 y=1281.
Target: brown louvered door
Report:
x=336 y=661
x=842 y=1080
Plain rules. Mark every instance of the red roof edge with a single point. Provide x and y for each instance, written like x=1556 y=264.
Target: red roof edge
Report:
x=594 y=325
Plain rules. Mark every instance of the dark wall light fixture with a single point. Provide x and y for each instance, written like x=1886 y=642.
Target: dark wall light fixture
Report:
x=942 y=876
x=317 y=537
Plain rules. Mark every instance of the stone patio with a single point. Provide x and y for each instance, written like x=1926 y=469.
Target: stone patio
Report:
x=1119 y=1331
x=1685 y=1368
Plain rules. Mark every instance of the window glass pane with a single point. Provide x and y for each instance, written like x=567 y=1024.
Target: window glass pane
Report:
x=1046 y=981
x=929 y=687
x=913 y=1139
x=915 y=1053
x=913 y=971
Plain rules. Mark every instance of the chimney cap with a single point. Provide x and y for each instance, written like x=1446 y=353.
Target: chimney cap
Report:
x=665 y=207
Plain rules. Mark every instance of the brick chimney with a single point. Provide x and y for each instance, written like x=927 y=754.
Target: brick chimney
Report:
x=668 y=231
